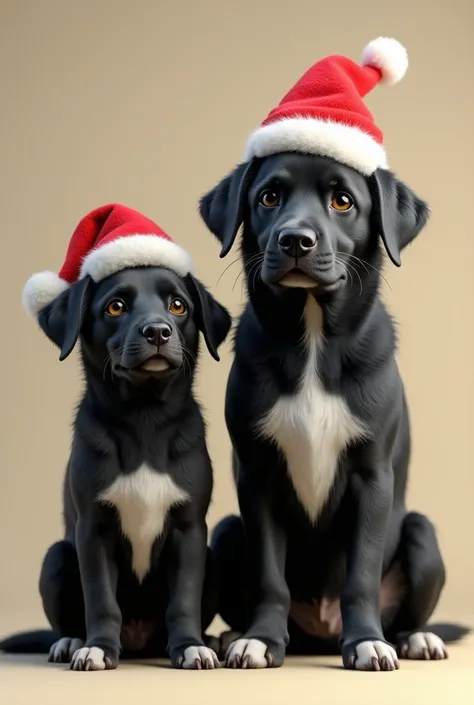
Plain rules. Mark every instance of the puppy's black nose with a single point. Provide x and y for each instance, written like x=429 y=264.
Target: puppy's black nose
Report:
x=157 y=333
x=297 y=242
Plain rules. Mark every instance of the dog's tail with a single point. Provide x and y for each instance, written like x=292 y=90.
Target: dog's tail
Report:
x=449 y=632
x=37 y=642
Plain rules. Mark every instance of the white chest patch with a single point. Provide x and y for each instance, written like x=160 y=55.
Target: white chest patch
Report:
x=143 y=499
x=311 y=427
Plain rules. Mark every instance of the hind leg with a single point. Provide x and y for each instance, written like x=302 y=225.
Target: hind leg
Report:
x=228 y=548
x=425 y=576
x=61 y=593
x=210 y=601
x=210 y=592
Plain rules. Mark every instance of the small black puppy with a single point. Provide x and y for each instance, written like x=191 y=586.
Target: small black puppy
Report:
x=319 y=423
x=130 y=571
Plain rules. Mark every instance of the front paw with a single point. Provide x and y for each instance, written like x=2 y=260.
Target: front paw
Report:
x=94 y=658
x=248 y=652
x=422 y=645
x=225 y=640
x=198 y=658
x=370 y=655
x=64 y=649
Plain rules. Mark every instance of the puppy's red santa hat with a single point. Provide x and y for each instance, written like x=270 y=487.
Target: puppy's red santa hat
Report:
x=324 y=114
x=107 y=240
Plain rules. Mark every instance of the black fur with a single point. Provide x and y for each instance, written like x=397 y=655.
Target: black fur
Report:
x=273 y=557
x=127 y=417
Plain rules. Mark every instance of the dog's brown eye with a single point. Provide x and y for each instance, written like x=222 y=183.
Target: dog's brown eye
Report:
x=116 y=307
x=341 y=201
x=269 y=198
x=177 y=307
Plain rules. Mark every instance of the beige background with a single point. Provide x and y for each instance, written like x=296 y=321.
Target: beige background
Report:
x=149 y=103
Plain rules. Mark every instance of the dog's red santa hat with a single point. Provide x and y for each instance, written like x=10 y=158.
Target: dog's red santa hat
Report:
x=107 y=240
x=324 y=114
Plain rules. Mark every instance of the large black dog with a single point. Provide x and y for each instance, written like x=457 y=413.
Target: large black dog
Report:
x=319 y=423
x=130 y=570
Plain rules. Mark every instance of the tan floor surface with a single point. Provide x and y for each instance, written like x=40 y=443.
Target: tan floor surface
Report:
x=29 y=680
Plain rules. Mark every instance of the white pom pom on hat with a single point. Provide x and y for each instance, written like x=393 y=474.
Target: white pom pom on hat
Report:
x=40 y=289
x=389 y=57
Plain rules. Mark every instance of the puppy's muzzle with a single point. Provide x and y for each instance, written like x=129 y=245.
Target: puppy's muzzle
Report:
x=152 y=346
x=303 y=264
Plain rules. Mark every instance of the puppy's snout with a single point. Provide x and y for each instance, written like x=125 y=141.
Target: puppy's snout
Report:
x=297 y=242
x=157 y=333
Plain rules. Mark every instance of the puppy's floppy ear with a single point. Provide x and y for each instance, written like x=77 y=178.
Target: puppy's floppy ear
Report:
x=62 y=319
x=398 y=213
x=212 y=319
x=223 y=208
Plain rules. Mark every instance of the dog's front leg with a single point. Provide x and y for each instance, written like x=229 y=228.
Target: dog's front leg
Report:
x=363 y=643
x=264 y=643
x=99 y=584
x=187 y=556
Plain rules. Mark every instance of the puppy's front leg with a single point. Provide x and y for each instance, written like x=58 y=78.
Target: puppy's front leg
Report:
x=99 y=583
x=264 y=643
x=187 y=556
x=363 y=643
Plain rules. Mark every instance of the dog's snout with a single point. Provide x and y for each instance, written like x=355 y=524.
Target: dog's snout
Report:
x=157 y=333
x=297 y=242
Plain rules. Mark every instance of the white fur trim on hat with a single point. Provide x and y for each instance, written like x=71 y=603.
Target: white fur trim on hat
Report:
x=135 y=251
x=41 y=289
x=389 y=57
x=344 y=143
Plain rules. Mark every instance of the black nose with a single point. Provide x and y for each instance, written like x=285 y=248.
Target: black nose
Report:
x=297 y=242
x=157 y=333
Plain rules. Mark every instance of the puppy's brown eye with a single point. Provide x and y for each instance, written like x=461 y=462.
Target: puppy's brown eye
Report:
x=270 y=198
x=341 y=201
x=116 y=307
x=177 y=307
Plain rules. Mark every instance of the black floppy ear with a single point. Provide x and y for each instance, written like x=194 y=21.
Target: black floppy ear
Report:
x=223 y=208
x=62 y=319
x=398 y=213
x=212 y=319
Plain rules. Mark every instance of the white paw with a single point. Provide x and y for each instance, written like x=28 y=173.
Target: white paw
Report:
x=246 y=653
x=200 y=658
x=89 y=659
x=375 y=656
x=63 y=650
x=423 y=645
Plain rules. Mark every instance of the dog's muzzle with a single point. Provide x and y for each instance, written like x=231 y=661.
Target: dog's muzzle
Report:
x=298 y=263
x=153 y=348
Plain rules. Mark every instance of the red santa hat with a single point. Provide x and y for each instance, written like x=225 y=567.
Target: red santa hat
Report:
x=107 y=240
x=324 y=113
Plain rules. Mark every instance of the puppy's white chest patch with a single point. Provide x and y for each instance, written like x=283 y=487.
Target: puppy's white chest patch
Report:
x=143 y=499
x=311 y=427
